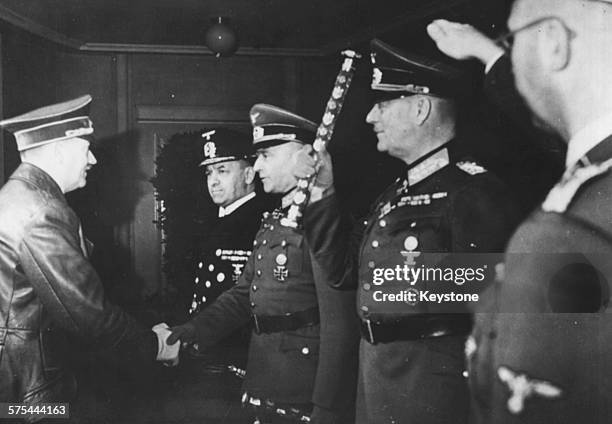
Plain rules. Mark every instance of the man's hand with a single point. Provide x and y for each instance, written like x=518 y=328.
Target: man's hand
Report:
x=463 y=41
x=184 y=333
x=166 y=352
x=304 y=166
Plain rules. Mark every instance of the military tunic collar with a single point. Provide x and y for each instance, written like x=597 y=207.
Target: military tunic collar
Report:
x=432 y=162
x=224 y=211
x=588 y=139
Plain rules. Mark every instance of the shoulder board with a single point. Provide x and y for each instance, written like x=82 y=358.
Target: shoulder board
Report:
x=471 y=168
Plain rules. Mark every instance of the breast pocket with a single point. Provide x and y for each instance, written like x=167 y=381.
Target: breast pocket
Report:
x=425 y=233
x=288 y=255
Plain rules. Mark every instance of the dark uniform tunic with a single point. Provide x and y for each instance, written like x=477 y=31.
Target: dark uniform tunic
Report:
x=411 y=355
x=303 y=346
x=224 y=252
x=528 y=365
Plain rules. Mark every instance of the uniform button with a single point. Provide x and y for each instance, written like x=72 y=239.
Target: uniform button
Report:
x=371 y=264
x=466 y=374
x=259 y=257
x=382 y=223
x=220 y=277
x=284 y=243
x=271 y=227
x=412 y=224
x=207 y=284
x=259 y=272
x=254 y=287
x=200 y=265
x=365 y=223
x=305 y=351
x=203 y=299
x=218 y=252
x=366 y=287
x=252 y=304
x=365 y=308
x=254 y=242
x=375 y=244
x=264 y=242
x=197 y=280
x=211 y=267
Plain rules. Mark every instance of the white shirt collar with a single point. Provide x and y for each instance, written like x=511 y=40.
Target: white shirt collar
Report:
x=224 y=211
x=587 y=138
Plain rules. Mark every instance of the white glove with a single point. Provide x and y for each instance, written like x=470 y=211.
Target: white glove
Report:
x=167 y=354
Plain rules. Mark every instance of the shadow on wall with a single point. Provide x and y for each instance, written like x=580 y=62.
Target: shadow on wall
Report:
x=106 y=207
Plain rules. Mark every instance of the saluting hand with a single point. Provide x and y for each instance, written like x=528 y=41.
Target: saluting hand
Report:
x=185 y=333
x=304 y=166
x=463 y=41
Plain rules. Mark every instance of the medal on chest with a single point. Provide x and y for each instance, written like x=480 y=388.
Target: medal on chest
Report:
x=281 y=272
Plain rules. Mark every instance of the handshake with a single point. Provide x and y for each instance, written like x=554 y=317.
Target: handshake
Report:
x=169 y=341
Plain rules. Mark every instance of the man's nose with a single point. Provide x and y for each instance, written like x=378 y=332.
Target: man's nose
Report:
x=257 y=164
x=372 y=115
x=91 y=159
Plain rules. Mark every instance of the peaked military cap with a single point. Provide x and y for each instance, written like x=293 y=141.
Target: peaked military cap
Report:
x=56 y=122
x=224 y=145
x=273 y=125
x=397 y=73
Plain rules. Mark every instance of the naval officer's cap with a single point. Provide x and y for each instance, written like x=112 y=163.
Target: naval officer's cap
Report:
x=224 y=145
x=48 y=124
x=396 y=73
x=273 y=126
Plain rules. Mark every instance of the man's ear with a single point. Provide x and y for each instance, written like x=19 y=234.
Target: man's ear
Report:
x=249 y=175
x=556 y=45
x=423 y=109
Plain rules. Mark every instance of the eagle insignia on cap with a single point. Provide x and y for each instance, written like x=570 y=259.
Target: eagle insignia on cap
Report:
x=258 y=132
x=210 y=150
x=522 y=388
x=254 y=117
x=471 y=168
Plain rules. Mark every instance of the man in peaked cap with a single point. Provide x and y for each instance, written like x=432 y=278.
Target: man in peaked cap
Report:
x=543 y=364
x=411 y=363
x=303 y=345
x=48 y=287
x=225 y=249
x=228 y=242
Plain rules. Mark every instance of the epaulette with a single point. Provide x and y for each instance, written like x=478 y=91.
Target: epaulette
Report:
x=471 y=168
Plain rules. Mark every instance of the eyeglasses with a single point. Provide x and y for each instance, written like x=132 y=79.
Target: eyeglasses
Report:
x=506 y=41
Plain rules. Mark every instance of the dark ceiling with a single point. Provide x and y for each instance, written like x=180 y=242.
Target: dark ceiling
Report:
x=324 y=26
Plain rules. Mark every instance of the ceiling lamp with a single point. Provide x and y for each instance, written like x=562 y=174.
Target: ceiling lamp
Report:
x=221 y=38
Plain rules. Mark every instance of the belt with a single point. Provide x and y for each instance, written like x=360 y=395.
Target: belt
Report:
x=416 y=327
x=287 y=322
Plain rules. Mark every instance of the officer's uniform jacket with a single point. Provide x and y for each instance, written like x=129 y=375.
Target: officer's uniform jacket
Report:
x=224 y=252
x=527 y=364
x=447 y=203
x=48 y=287
x=316 y=363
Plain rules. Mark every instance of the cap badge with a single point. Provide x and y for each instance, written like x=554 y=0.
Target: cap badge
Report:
x=376 y=76
x=254 y=117
x=208 y=134
x=258 y=132
x=210 y=150
x=522 y=388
